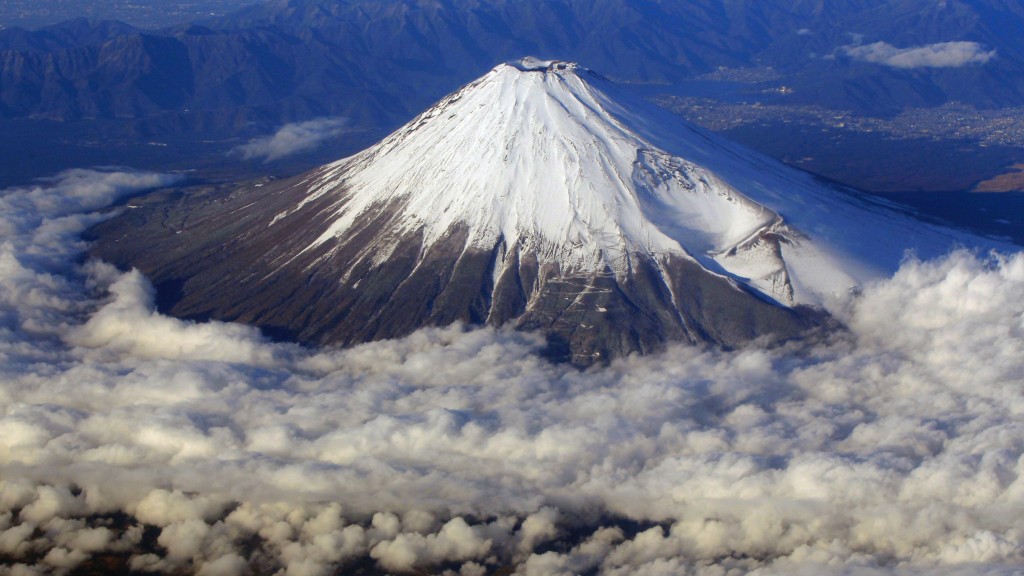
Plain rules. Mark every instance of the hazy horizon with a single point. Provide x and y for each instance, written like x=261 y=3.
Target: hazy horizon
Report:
x=146 y=14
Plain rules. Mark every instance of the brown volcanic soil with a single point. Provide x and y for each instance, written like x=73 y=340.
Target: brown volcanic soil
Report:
x=1012 y=181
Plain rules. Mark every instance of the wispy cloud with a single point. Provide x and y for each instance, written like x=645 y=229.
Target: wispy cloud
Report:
x=291 y=139
x=895 y=448
x=940 y=55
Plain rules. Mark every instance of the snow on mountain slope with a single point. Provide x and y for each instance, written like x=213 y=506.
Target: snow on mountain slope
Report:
x=553 y=156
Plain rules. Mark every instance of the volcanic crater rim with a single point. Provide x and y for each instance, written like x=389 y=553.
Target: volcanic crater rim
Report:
x=532 y=64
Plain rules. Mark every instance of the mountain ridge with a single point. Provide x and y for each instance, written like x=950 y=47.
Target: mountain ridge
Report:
x=380 y=61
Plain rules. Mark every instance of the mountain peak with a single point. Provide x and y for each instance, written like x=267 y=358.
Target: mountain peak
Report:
x=553 y=201
x=552 y=169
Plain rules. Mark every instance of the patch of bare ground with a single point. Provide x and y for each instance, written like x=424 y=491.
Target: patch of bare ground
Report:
x=1012 y=181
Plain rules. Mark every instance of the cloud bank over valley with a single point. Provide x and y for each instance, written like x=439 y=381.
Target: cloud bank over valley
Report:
x=938 y=55
x=896 y=447
x=292 y=139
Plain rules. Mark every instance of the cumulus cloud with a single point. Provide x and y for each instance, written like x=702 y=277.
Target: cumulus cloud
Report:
x=939 y=55
x=167 y=446
x=292 y=139
x=129 y=324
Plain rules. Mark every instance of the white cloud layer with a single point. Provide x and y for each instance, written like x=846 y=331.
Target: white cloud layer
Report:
x=939 y=55
x=897 y=448
x=291 y=139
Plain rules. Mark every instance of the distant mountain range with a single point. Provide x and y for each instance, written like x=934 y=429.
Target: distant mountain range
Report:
x=149 y=14
x=377 y=62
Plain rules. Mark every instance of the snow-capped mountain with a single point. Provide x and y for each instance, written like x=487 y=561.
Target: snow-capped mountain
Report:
x=539 y=195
